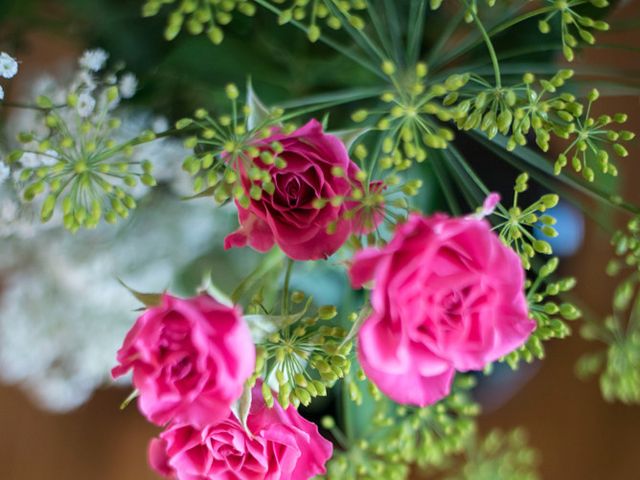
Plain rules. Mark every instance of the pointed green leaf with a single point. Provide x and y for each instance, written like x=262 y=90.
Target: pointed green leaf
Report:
x=148 y=299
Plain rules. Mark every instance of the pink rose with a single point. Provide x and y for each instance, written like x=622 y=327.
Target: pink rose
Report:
x=282 y=446
x=288 y=217
x=190 y=359
x=448 y=295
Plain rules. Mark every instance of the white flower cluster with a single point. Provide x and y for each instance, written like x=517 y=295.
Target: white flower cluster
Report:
x=8 y=69
x=62 y=312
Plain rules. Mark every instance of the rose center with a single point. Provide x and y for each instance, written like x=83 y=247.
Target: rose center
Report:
x=292 y=191
x=182 y=369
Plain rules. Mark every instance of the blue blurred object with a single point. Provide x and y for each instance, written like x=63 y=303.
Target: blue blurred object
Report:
x=570 y=227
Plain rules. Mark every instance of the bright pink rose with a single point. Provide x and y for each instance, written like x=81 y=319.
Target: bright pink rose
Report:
x=282 y=446
x=448 y=295
x=288 y=217
x=190 y=359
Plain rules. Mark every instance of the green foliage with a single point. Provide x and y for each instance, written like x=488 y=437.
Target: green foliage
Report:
x=199 y=16
x=223 y=146
x=305 y=356
x=516 y=224
x=591 y=142
x=572 y=22
x=401 y=436
x=210 y=16
x=550 y=316
x=499 y=456
x=620 y=332
x=334 y=13
x=519 y=109
x=411 y=115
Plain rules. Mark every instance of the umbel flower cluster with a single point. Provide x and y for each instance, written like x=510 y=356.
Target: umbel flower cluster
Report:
x=436 y=293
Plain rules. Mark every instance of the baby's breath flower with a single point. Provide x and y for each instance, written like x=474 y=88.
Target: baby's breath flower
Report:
x=94 y=60
x=128 y=85
x=8 y=66
x=5 y=171
x=85 y=104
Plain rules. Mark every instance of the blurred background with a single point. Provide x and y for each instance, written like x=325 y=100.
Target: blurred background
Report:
x=62 y=314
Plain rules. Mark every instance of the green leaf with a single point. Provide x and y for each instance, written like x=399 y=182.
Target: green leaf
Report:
x=132 y=396
x=147 y=299
x=242 y=407
x=351 y=136
x=207 y=286
x=258 y=112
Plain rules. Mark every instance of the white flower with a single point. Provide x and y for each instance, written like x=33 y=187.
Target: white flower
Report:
x=30 y=160
x=86 y=104
x=94 y=60
x=8 y=66
x=128 y=85
x=84 y=81
x=160 y=124
x=4 y=172
x=1 y=93
x=49 y=158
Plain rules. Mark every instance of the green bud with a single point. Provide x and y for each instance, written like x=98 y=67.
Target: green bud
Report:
x=216 y=35
x=548 y=268
x=328 y=423
x=569 y=311
x=549 y=200
x=327 y=312
x=544 y=26
x=47 y=208
x=620 y=150
x=313 y=33
x=232 y=91
x=543 y=247
x=388 y=68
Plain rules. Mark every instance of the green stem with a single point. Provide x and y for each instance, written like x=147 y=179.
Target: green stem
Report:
x=446 y=187
x=346 y=413
x=29 y=107
x=285 y=292
x=487 y=40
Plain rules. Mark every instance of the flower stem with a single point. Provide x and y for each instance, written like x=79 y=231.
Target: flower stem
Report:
x=487 y=40
x=285 y=292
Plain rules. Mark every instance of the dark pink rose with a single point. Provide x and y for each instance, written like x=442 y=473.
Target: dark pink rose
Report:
x=448 y=295
x=281 y=445
x=190 y=359
x=288 y=217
